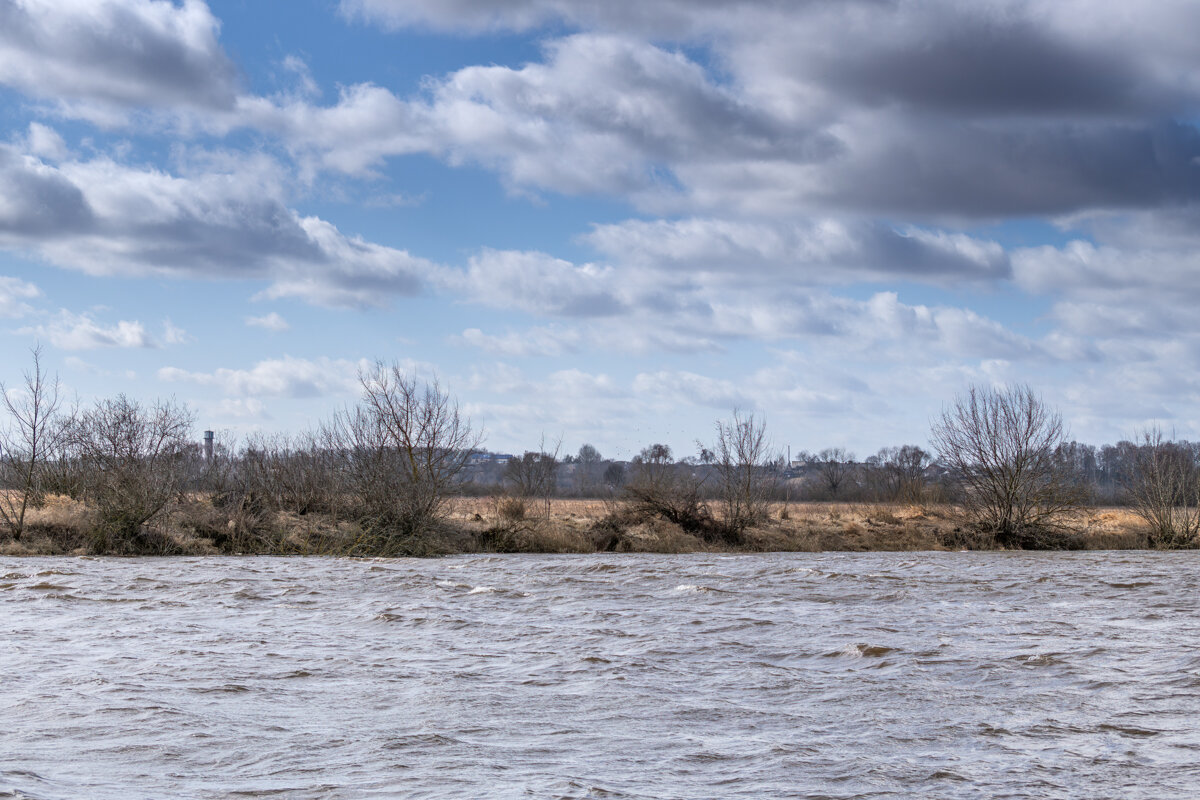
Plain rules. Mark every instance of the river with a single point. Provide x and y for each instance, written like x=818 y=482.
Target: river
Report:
x=830 y=675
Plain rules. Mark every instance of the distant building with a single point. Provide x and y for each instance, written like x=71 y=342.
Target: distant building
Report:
x=483 y=459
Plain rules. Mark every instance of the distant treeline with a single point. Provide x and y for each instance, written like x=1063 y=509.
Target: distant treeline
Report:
x=907 y=473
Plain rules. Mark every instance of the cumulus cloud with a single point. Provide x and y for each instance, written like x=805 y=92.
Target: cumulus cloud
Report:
x=69 y=331
x=519 y=411
x=602 y=114
x=279 y=377
x=637 y=307
x=936 y=110
x=538 y=283
x=99 y=58
x=1010 y=55
x=106 y=218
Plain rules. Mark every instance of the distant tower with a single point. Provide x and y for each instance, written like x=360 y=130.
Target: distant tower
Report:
x=208 y=445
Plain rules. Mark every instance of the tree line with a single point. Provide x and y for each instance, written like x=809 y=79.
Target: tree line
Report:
x=391 y=464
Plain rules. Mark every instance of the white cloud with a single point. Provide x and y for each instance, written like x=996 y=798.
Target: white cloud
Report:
x=675 y=386
x=270 y=322
x=927 y=111
x=69 y=331
x=810 y=251
x=98 y=58
x=45 y=142
x=279 y=377
x=13 y=294
x=536 y=282
x=241 y=408
x=173 y=334
x=106 y=218
x=531 y=342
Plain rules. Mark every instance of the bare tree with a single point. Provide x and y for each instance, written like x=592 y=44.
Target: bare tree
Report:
x=614 y=475
x=745 y=471
x=658 y=487
x=133 y=460
x=834 y=465
x=899 y=472
x=999 y=445
x=587 y=468
x=1165 y=490
x=25 y=442
x=405 y=445
x=535 y=475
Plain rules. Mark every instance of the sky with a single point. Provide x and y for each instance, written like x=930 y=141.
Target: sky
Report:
x=613 y=222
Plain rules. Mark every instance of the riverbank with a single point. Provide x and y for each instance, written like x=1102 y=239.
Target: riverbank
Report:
x=483 y=525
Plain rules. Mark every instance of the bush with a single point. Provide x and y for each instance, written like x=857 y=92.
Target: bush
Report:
x=402 y=450
x=745 y=472
x=133 y=464
x=511 y=509
x=657 y=487
x=1165 y=491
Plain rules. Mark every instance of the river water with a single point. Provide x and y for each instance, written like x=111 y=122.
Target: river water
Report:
x=874 y=675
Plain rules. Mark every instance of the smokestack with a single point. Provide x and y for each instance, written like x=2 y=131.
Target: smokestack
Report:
x=208 y=445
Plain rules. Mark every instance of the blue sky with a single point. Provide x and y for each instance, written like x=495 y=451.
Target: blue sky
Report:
x=610 y=223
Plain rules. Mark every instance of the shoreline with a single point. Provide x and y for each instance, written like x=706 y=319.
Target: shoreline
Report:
x=480 y=526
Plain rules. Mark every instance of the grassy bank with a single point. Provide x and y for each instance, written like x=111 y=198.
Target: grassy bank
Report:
x=198 y=527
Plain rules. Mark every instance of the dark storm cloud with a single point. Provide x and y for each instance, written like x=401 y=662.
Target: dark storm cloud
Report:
x=987 y=66
x=997 y=171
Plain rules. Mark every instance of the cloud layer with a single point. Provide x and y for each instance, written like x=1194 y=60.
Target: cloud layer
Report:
x=808 y=203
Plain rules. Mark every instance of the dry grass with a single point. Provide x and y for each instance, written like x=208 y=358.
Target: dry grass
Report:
x=1114 y=529
x=63 y=526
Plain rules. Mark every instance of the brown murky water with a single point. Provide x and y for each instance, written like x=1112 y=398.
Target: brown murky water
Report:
x=933 y=675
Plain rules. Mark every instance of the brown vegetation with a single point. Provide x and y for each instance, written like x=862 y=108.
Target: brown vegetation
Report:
x=200 y=527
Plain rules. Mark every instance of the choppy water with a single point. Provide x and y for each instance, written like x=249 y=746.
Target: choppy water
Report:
x=935 y=675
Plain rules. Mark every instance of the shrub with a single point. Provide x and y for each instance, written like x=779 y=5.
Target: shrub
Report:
x=1165 y=491
x=402 y=450
x=133 y=463
x=657 y=487
x=511 y=509
x=745 y=472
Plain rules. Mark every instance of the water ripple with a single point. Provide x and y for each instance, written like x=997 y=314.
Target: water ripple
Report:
x=834 y=675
